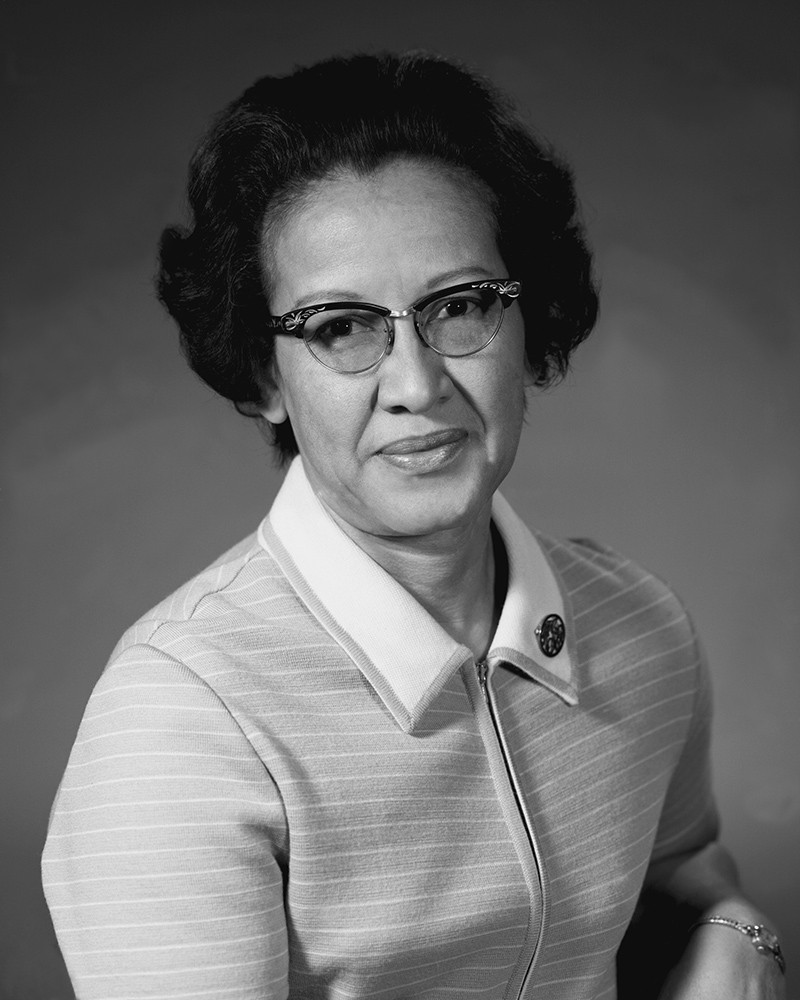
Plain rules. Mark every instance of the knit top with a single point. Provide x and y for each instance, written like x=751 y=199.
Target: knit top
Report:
x=290 y=781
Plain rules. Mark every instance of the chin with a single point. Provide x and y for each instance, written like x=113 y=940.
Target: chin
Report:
x=427 y=509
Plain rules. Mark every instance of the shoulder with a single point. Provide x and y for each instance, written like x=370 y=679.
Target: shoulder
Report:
x=624 y=616
x=585 y=562
x=593 y=575
x=172 y=670
x=244 y=573
x=208 y=625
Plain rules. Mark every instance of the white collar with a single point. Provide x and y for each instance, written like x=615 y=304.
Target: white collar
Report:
x=401 y=650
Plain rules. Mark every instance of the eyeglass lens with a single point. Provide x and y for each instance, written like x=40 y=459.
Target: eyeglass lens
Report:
x=353 y=340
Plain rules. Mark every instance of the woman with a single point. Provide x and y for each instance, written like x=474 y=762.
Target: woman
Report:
x=393 y=744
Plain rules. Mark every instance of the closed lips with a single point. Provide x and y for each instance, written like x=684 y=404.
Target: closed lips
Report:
x=425 y=442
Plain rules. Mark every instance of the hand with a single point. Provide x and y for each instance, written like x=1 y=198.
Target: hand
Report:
x=719 y=963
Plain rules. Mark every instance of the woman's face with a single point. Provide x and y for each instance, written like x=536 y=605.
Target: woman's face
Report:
x=390 y=238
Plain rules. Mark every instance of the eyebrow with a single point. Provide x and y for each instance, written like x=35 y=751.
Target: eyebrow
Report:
x=321 y=296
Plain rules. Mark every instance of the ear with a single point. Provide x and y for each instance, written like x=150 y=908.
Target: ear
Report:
x=529 y=378
x=273 y=408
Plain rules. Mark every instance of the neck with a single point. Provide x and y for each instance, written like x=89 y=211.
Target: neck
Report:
x=451 y=574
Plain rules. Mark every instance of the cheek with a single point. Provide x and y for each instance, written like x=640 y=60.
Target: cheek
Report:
x=309 y=415
x=327 y=417
x=510 y=369
x=506 y=396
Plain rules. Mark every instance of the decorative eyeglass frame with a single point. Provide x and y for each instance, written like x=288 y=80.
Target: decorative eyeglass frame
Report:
x=293 y=321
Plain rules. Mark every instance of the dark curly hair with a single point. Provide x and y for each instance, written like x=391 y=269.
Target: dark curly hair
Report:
x=356 y=113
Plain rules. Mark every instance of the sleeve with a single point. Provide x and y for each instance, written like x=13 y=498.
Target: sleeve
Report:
x=162 y=865
x=689 y=818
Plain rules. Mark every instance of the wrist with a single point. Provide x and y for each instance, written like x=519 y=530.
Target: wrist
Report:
x=760 y=936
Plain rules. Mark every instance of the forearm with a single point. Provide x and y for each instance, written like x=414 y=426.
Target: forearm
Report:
x=708 y=960
x=700 y=883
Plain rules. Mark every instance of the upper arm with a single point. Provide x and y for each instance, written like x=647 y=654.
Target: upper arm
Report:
x=689 y=818
x=161 y=866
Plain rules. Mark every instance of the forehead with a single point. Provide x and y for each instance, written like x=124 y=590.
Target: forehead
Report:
x=406 y=219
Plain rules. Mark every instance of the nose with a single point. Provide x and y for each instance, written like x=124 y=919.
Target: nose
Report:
x=411 y=377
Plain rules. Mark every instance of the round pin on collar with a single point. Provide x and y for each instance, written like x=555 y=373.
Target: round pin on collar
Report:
x=550 y=634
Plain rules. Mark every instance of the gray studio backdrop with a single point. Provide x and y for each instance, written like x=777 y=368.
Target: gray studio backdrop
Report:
x=675 y=439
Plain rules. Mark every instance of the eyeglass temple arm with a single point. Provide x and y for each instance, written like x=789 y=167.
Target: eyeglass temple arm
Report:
x=292 y=322
x=507 y=291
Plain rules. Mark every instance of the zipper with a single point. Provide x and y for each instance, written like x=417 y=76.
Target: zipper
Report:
x=486 y=691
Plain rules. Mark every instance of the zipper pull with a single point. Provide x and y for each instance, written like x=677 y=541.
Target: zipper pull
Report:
x=483 y=674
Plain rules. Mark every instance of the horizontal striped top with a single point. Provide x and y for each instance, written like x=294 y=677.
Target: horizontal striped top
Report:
x=289 y=782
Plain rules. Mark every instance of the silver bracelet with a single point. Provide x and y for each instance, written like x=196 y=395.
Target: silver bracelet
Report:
x=763 y=940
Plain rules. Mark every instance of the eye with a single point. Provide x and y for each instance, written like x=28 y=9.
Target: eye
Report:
x=457 y=306
x=344 y=330
x=340 y=326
